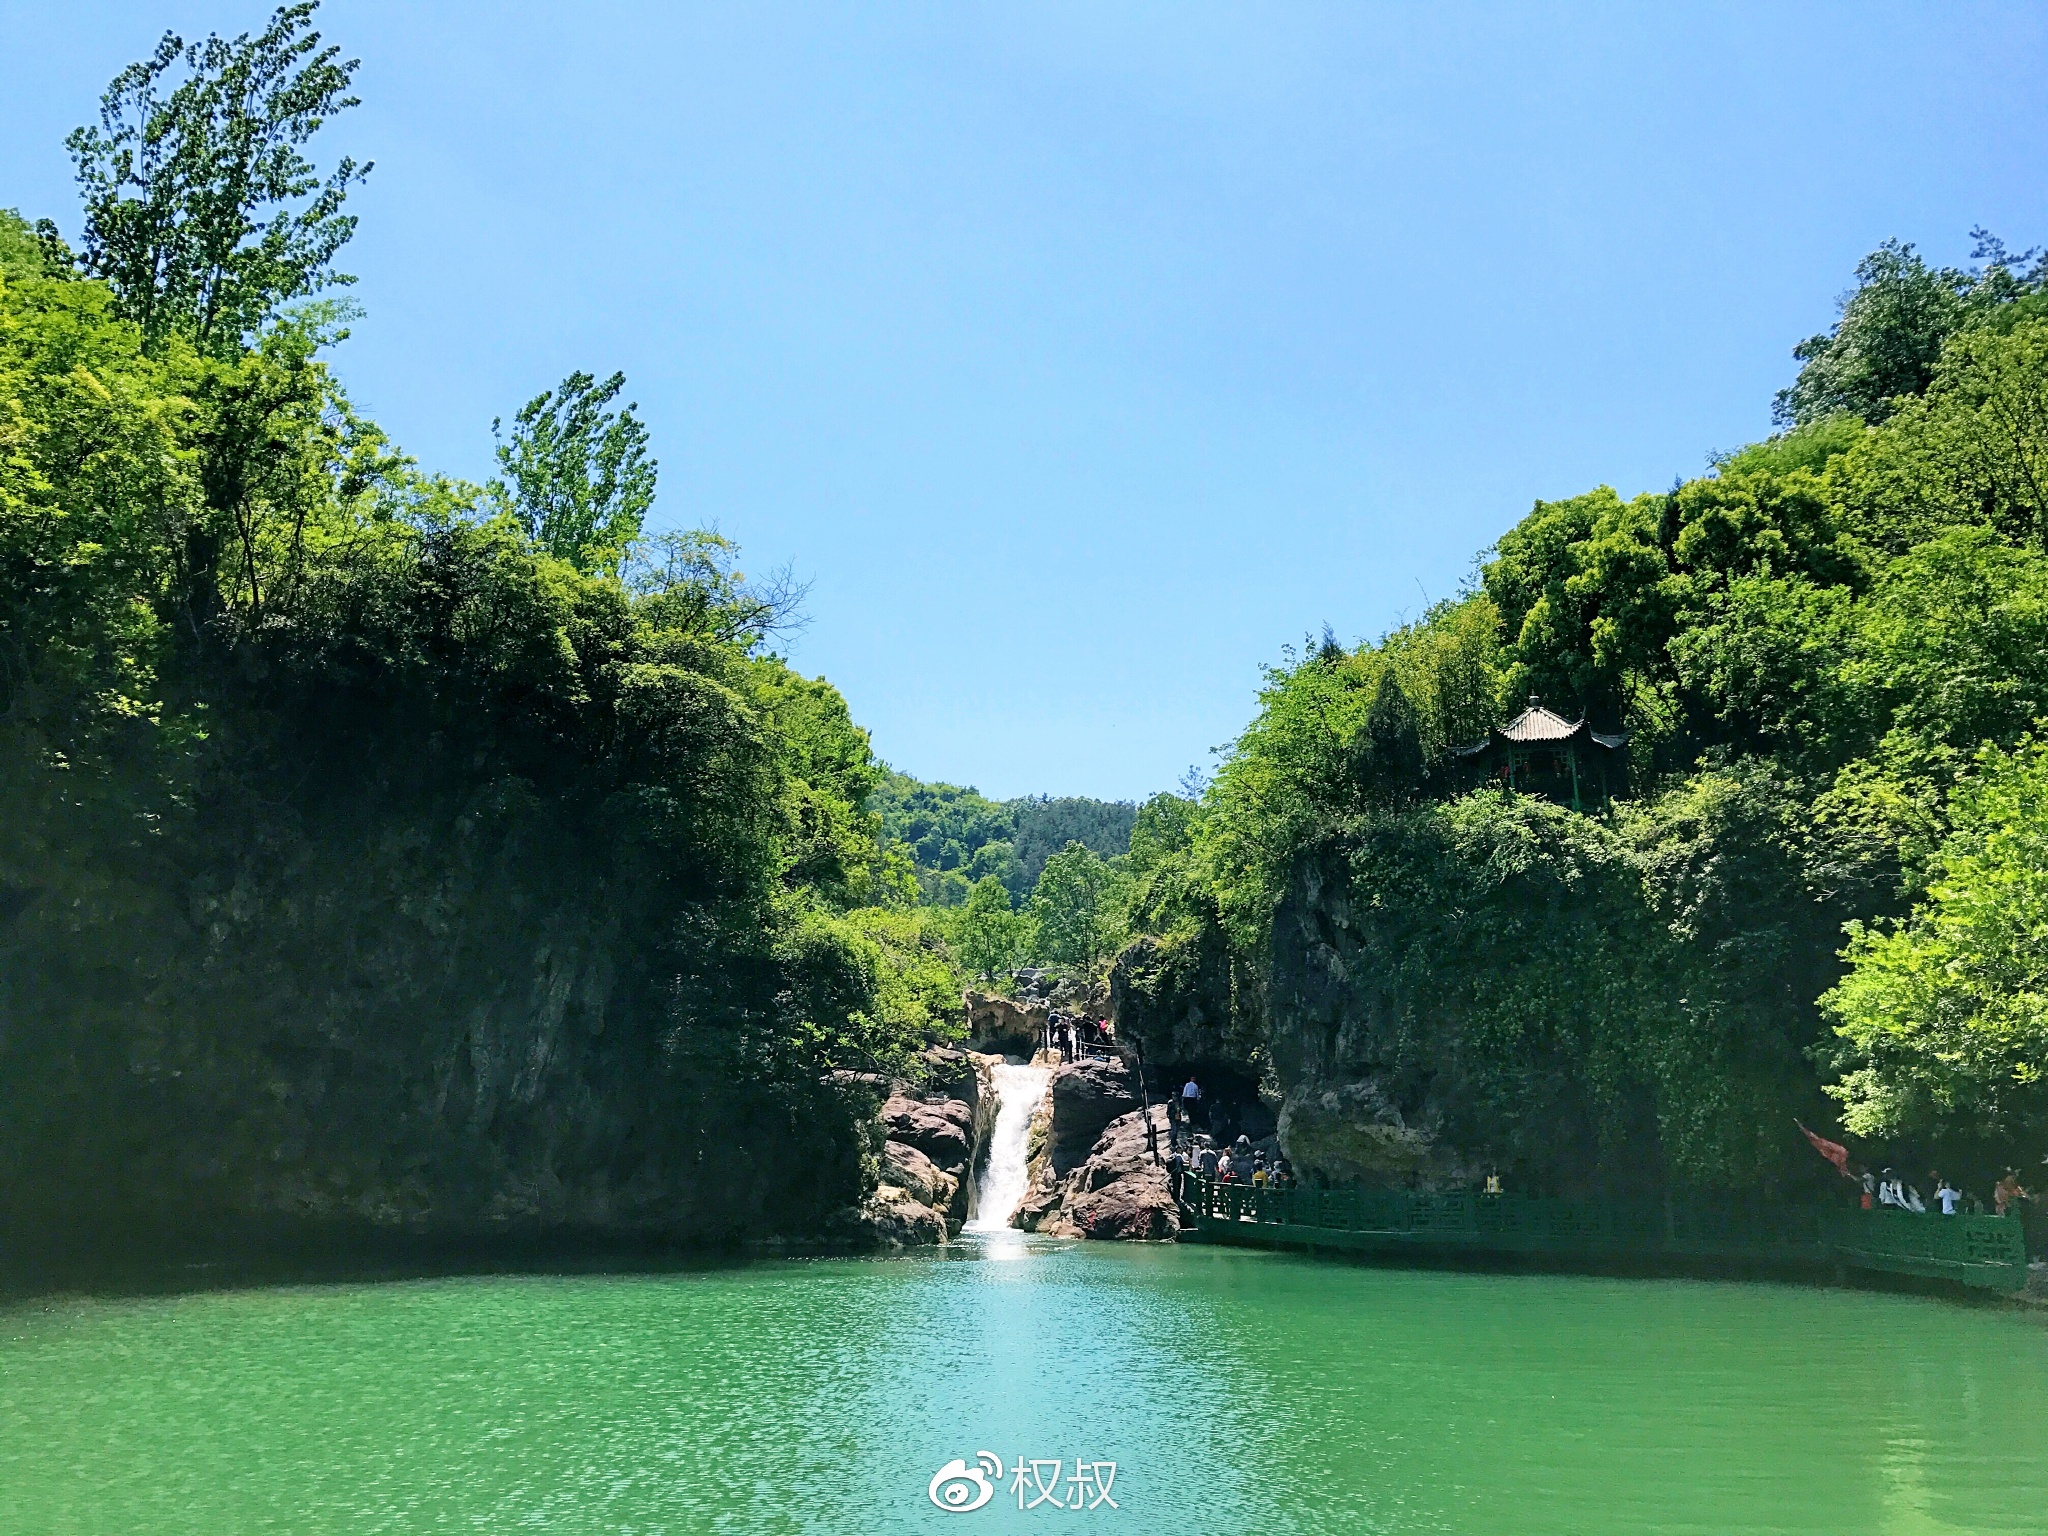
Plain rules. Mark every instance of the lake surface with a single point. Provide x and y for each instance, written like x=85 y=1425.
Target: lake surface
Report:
x=1237 y=1392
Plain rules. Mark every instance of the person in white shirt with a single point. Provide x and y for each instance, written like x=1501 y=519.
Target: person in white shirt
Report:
x=1949 y=1196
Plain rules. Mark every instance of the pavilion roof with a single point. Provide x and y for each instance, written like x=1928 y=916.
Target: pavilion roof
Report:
x=1537 y=726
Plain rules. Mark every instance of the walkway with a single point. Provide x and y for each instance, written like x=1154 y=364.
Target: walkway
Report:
x=1983 y=1251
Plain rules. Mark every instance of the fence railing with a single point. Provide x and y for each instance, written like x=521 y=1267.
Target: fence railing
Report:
x=1987 y=1251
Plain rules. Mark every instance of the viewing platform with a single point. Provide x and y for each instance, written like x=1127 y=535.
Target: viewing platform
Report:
x=1987 y=1252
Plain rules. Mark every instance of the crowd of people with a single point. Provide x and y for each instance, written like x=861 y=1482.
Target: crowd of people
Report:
x=1237 y=1162
x=1070 y=1035
x=1889 y=1191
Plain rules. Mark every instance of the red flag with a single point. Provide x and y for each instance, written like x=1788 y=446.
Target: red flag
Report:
x=1833 y=1151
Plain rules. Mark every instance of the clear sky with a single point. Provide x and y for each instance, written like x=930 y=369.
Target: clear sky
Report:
x=1084 y=356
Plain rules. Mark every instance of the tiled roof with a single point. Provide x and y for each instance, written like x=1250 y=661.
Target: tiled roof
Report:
x=1538 y=724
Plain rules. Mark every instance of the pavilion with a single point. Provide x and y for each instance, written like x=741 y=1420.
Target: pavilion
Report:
x=1539 y=752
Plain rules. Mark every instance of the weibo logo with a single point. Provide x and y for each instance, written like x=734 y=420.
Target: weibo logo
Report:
x=958 y=1487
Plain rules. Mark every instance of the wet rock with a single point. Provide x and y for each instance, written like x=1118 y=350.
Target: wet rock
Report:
x=894 y=1218
x=1039 y=1207
x=954 y=1074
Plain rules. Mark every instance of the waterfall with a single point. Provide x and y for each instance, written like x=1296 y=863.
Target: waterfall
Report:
x=1018 y=1090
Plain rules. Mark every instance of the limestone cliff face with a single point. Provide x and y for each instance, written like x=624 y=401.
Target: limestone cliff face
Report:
x=1366 y=1096
x=1392 y=1075
x=438 y=1032
x=1173 y=998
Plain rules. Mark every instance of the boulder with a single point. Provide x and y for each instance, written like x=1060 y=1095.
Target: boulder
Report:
x=910 y=1170
x=1086 y=1095
x=894 y=1218
x=1349 y=1132
x=1117 y=1192
x=943 y=1129
x=954 y=1074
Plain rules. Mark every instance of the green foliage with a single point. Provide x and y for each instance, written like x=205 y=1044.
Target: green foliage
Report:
x=580 y=480
x=1894 y=324
x=1810 y=647
x=363 y=858
x=1077 y=908
x=32 y=250
x=201 y=212
x=1308 y=759
x=955 y=837
x=1044 y=825
x=1811 y=446
x=1947 y=1013
x=1163 y=829
x=942 y=827
x=990 y=938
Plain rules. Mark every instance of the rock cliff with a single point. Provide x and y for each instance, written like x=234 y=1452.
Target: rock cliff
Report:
x=936 y=1139
x=1118 y=1191
x=1004 y=1026
x=1093 y=1173
x=1426 y=1025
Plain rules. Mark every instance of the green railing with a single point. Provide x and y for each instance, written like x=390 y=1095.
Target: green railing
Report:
x=1986 y=1251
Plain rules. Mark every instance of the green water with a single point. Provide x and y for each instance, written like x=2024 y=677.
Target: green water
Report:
x=1241 y=1393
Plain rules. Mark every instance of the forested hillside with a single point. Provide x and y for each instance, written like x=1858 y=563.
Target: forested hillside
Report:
x=384 y=848
x=1831 y=656
x=1036 y=881
x=380 y=847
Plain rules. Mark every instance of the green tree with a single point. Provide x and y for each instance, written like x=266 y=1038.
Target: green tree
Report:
x=991 y=938
x=1163 y=828
x=578 y=477
x=1888 y=341
x=1387 y=758
x=1077 y=908
x=1947 y=1013
x=1045 y=824
x=201 y=212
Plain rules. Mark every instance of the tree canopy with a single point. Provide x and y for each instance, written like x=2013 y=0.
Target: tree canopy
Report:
x=202 y=213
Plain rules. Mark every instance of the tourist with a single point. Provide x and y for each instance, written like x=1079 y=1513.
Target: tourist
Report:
x=1948 y=1196
x=1190 y=1097
x=1176 y=1172
x=1260 y=1177
x=1889 y=1195
x=1869 y=1183
x=1207 y=1160
x=2007 y=1191
x=1226 y=1169
x=1492 y=1186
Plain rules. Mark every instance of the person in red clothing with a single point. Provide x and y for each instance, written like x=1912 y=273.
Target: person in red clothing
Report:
x=2007 y=1190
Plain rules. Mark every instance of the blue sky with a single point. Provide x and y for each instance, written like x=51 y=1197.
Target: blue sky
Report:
x=1084 y=356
